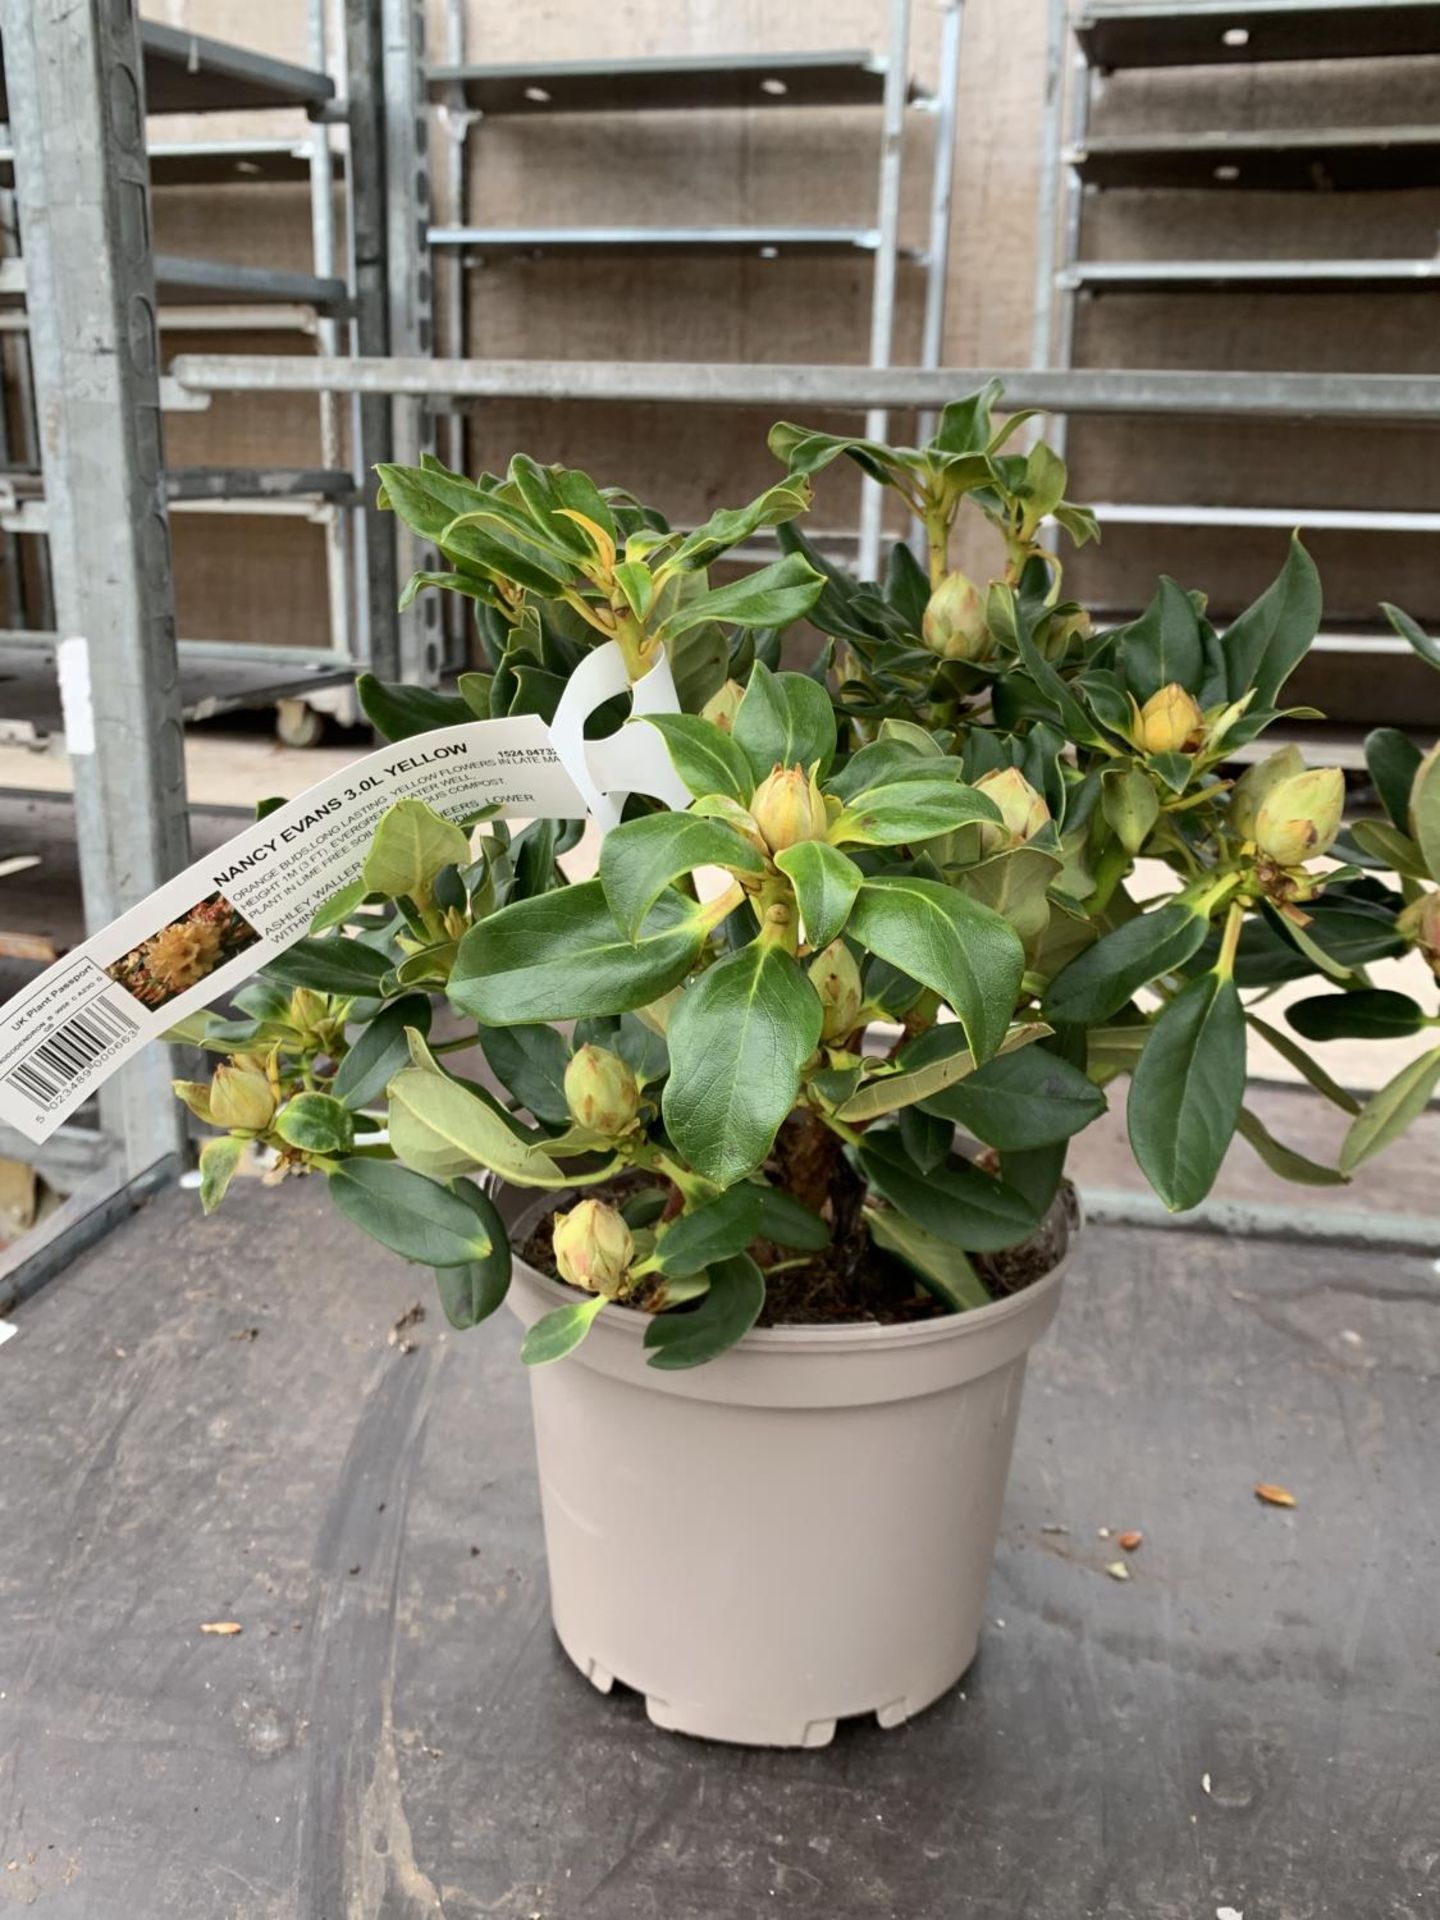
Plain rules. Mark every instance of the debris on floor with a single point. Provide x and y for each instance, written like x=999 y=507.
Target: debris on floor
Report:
x=1274 y=1496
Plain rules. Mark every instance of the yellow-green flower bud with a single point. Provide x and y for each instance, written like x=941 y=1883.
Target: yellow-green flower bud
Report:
x=1420 y=922
x=954 y=622
x=1301 y=816
x=241 y=1100
x=601 y=1092
x=1170 y=722
x=196 y=1096
x=1055 y=634
x=836 y=978
x=1253 y=785
x=308 y=1009
x=722 y=707
x=789 y=807
x=1022 y=810
x=594 y=1248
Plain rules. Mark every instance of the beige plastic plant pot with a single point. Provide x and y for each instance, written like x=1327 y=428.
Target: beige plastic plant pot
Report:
x=798 y=1530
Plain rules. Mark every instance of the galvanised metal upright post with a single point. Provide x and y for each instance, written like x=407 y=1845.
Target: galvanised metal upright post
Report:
x=77 y=103
x=882 y=306
x=377 y=585
x=411 y=316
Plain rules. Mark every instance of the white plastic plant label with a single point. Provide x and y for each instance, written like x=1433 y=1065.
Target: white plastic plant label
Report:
x=205 y=932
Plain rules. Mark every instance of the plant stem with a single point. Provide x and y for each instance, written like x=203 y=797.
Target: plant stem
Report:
x=1230 y=940
x=937 y=540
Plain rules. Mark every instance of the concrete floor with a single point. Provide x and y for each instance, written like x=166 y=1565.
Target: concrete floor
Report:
x=206 y=1423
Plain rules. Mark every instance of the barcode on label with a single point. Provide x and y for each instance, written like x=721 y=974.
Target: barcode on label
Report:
x=52 y=1068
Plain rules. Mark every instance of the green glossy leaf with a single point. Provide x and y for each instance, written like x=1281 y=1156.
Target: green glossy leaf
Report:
x=1372 y=1013
x=555 y=1334
x=1186 y=1091
x=643 y=857
x=637 y=583
x=441 y=1128
x=560 y=956
x=728 y=526
x=1271 y=637
x=775 y=596
x=471 y=1293
x=530 y=1063
x=931 y=1062
x=1015 y=884
x=1096 y=985
x=218 y=1160
x=805 y=451
x=1036 y=1174
x=1426 y=648
x=925 y=1137
x=1130 y=805
x=1386 y=1114
x=1393 y=760
x=1394 y=848
x=1162 y=648
x=704 y=756
x=316 y=1123
x=825 y=883
x=959 y=949
x=956 y=1203
x=1307 y=1068
x=738 y=1040
x=1031 y=1098
x=1284 y=1160
x=715 y=1231
x=910 y=810
x=787 y=1223
x=411 y=1215
x=888 y=760
x=1425 y=810
x=728 y=1309
x=339 y=908
x=785 y=720
x=412 y=843
x=942 y=1269
x=333 y=965
x=398 y=711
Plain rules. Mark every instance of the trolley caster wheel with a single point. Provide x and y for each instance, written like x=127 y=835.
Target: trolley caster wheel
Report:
x=298 y=725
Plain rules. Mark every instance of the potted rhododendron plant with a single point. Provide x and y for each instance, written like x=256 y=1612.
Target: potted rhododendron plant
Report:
x=757 y=1111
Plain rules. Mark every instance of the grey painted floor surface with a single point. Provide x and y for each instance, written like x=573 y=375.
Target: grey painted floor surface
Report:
x=1251 y=1722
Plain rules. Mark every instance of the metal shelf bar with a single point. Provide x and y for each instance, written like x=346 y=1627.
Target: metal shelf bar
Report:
x=1388 y=398
x=1321 y=160
x=1222 y=32
x=1258 y=276
x=188 y=73
x=213 y=163
x=211 y=283
x=214 y=677
x=1311 y=519
x=844 y=79
x=759 y=240
x=205 y=282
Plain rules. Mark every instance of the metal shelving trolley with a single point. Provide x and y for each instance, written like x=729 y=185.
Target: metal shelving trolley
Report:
x=80 y=84
x=1194 y=174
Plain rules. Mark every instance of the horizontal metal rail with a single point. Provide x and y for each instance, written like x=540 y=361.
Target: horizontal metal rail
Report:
x=1382 y=398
